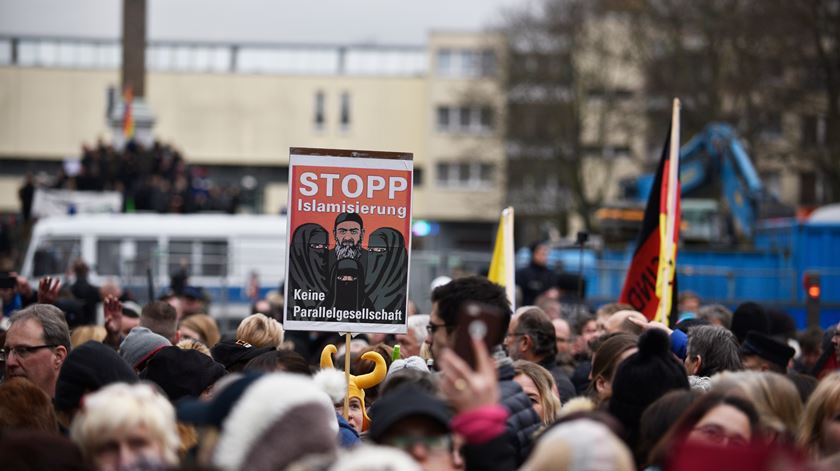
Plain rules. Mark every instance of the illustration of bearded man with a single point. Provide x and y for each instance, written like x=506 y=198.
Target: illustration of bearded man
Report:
x=349 y=232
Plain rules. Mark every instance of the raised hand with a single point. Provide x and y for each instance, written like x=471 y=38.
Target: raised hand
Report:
x=48 y=288
x=113 y=314
x=465 y=388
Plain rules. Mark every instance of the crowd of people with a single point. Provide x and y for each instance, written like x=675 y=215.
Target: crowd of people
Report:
x=156 y=179
x=162 y=387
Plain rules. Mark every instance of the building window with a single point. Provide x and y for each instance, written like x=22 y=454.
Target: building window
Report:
x=345 y=111
x=466 y=119
x=465 y=175
x=320 y=117
x=466 y=63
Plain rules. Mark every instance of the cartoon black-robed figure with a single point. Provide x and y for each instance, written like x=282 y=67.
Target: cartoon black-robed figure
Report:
x=308 y=258
x=347 y=290
x=387 y=269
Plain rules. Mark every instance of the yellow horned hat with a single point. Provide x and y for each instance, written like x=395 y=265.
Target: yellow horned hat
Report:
x=359 y=383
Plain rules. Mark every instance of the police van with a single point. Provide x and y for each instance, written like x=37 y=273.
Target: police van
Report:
x=220 y=253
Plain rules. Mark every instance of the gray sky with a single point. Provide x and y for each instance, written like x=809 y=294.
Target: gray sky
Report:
x=298 y=21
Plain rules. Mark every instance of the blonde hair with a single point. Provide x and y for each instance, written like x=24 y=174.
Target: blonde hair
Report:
x=85 y=333
x=190 y=344
x=823 y=403
x=205 y=326
x=545 y=385
x=775 y=398
x=121 y=407
x=260 y=331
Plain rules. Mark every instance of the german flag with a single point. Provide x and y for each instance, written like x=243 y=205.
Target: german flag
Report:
x=128 y=116
x=651 y=284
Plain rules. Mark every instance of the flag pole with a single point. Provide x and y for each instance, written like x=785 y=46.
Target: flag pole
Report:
x=668 y=248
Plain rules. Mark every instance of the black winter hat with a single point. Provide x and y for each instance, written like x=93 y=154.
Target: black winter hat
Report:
x=768 y=348
x=182 y=373
x=644 y=377
x=749 y=317
x=234 y=354
x=405 y=401
x=88 y=368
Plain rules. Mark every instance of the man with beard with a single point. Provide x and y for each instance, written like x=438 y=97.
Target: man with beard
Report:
x=349 y=232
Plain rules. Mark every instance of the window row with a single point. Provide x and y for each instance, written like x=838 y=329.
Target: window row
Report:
x=319 y=118
x=469 y=119
x=466 y=63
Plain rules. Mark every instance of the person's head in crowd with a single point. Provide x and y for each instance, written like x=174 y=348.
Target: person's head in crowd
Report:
x=34 y=450
x=415 y=363
x=562 y=336
x=200 y=327
x=760 y=352
x=130 y=318
x=260 y=331
x=85 y=333
x=449 y=299
x=539 y=385
x=531 y=336
x=193 y=301
x=539 y=253
x=173 y=300
x=810 y=345
x=160 y=318
x=415 y=336
x=552 y=307
x=358 y=419
x=235 y=354
x=621 y=322
x=416 y=377
x=749 y=317
x=125 y=426
x=714 y=420
x=277 y=420
x=611 y=351
x=716 y=314
x=25 y=406
x=773 y=395
x=88 y=368
x=182 y=373
x=416 y=422
x=782 y=326
x=688 y=304
x=605 y=311
x=711 y=349
x=586 y=332
x=660 y=416
x=279 y=360
x=140 y=345
x=819 y=430
x=643 y=378
x=577 y=445
x=37 y=343
x=190 y=344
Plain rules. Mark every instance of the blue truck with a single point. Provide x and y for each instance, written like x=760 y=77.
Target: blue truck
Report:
x=738 y=242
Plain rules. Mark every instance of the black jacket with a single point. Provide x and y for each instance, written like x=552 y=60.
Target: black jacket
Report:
x=564 y=384
x=523 y=421
x=497 y=454
x=534 y=280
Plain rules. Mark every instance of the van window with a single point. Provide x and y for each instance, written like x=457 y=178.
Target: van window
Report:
x=146 y=257
x=214 y=257
x=199 y=258
x=108 y=257
x=180 y=256
x=54 y=256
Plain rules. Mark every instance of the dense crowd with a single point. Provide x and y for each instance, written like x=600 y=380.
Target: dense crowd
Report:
x=157 y=179
x=557 y=387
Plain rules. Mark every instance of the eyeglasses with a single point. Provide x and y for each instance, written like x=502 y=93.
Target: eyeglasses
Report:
x=432 y=327
x=717 y=435
x=434 y=443
x=21 y=351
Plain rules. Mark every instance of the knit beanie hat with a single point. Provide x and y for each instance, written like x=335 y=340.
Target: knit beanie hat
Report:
x=375 y=458
x=411 y=363
x=643 y=378
x=580 y=445
x=749 y=317
x=280 y=418
x=140 y=344
x=87 y=368
x=182 y=373
x=235 y=354
x=359 y=383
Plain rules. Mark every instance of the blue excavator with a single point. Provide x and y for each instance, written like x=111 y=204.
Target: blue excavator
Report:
x=722 y=195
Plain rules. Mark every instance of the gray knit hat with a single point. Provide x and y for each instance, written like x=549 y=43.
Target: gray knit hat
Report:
x=140 y=344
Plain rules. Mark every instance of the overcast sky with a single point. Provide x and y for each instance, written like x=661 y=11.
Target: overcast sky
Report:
x=298 y=21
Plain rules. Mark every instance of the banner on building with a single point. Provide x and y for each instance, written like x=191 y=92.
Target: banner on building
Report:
x=67 y=202
x=349 y=216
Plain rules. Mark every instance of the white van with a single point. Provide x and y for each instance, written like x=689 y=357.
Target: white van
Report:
x=220 y=252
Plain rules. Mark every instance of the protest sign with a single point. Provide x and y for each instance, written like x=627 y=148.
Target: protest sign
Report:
x=349 y=217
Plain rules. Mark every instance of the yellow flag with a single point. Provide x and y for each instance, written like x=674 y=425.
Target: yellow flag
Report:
x=502 y=266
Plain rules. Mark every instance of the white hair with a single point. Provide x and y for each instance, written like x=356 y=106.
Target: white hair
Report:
x=121 y=407
x=417 y=324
